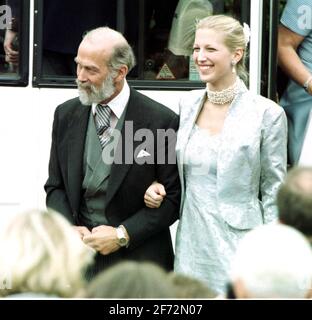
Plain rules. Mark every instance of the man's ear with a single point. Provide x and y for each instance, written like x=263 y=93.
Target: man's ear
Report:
x=122 y=73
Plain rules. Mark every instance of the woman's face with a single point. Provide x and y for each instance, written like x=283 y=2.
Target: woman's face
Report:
x=213 y=59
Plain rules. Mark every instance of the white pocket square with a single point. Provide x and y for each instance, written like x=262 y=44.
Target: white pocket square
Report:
x=143 y=153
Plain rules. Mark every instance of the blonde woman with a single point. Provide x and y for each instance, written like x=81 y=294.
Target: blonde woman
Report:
x=41 y=256
x=231 y=151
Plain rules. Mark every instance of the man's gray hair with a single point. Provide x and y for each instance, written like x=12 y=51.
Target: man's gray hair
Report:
x=122 y=55
x=122 y=52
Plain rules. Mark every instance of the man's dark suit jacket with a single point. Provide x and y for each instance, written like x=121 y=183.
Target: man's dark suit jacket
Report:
x=148 y=228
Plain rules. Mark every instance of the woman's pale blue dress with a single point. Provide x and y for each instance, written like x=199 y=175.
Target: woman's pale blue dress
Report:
x=205 y=242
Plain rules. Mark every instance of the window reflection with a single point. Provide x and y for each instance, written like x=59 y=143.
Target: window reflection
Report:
x=161 y=33
x=9 y=36
x=64 y=23
x=169 y=28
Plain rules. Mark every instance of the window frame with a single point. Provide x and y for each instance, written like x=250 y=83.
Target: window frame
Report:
x=20 y=79
x=41 y=81
x=269 y=49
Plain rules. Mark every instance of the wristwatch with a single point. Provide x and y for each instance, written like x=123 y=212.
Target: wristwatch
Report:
x=121 y=235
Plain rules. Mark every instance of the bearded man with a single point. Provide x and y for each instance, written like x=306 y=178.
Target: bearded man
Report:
x=105 y=199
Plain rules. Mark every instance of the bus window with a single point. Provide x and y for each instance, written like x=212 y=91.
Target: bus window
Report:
x=160 y=31
x=14 y=33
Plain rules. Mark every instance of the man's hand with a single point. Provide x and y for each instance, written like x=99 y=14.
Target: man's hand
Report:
x=11 y=55
x=103 y=239
x=83 y=231
x=154 y=195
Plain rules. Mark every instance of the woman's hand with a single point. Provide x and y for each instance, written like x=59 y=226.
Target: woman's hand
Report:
x=154 y=195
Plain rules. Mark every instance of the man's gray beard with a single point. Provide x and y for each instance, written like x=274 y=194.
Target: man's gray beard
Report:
x=97 y=94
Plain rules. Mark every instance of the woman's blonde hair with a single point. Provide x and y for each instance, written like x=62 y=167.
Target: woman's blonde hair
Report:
x=234 y=37
x=40 y=252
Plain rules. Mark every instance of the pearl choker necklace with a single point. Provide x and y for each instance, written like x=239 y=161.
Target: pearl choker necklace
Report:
x=224 y=96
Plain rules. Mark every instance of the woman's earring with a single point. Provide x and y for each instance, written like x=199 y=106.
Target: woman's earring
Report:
x=233 y=63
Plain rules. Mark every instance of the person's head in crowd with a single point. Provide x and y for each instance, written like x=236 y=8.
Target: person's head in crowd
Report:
x=188 y=287
x=131 y=279
x=294 y=200
x=272 y=261
x=41 y=253
x=219 y=51
x=103 y=60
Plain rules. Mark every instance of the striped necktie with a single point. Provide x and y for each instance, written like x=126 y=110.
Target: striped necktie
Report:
x=102 y=117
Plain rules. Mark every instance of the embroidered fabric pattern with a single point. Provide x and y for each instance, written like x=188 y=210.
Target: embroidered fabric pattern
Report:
x=223 y=96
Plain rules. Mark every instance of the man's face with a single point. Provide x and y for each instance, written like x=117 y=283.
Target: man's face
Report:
x=94 y=79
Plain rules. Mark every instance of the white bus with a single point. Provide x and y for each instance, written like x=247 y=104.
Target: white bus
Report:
x=46 y=35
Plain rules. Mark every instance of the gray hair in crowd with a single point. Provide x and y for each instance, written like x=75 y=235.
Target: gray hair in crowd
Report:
x=294 y=200
x=273 y=261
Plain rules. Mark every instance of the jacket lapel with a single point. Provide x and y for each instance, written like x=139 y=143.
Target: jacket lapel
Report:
x=135 y=117
x=232 y=123
x=187 y=122
x=77 y=128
